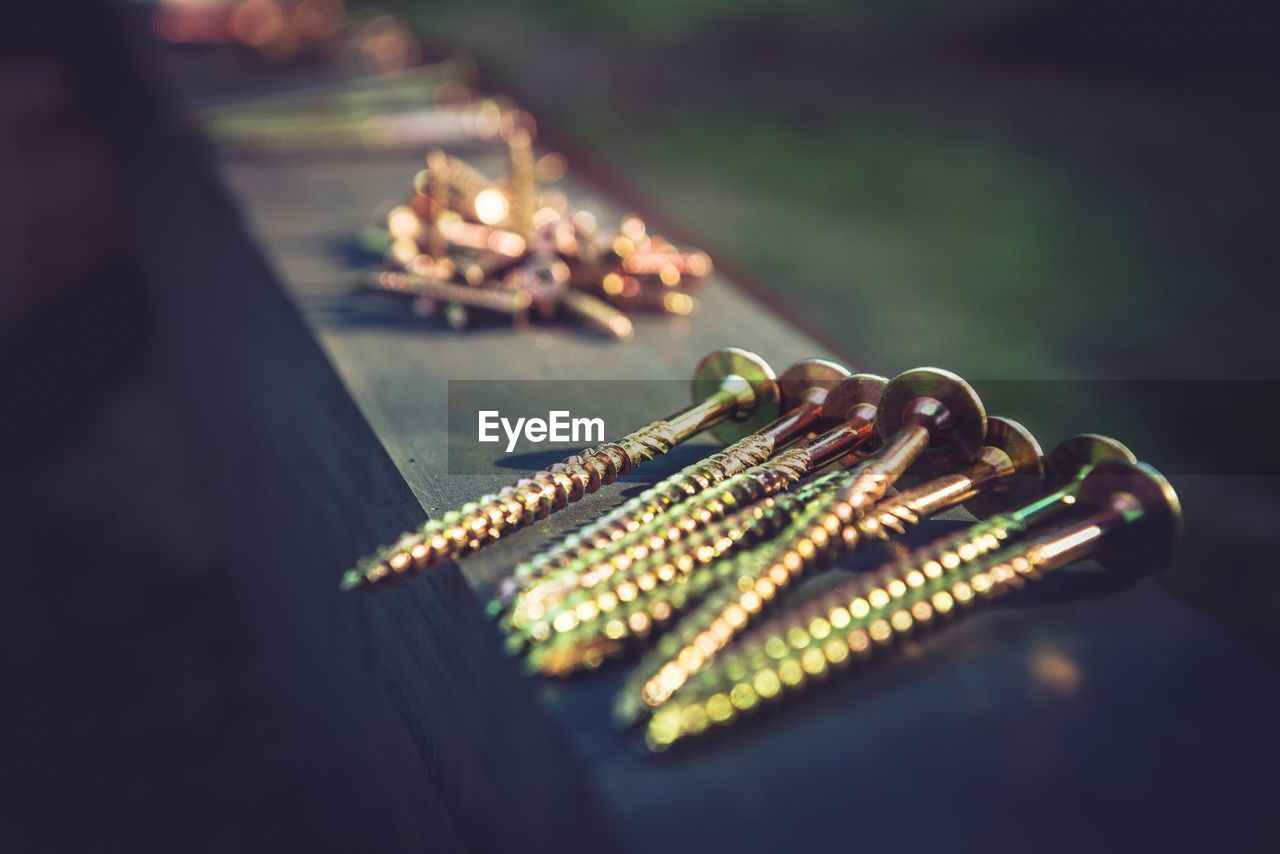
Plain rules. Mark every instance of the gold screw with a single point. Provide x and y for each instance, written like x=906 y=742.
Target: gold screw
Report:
x=853 y=400
x=727 y=384
x=489 y=299
x=597 y=314
x=524 y=183
x=1009 y=469
x=726 y=612
x=1127 y=517
x=803 y=386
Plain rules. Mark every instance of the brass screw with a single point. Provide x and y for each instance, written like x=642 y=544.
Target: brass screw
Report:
x=754 y=578
x=489 y=299
x=853 y=400
x=520 y=233
x=1128 y=518
x=476 y=271
x=727 y=384
x=451 y=184
x=668 y=266
x=629 y=611
x=453 y=230
x=803 y=386
x=927 y=415
x=1009 y=469
x=524 y=185
x=598 y=314
x=437 y=191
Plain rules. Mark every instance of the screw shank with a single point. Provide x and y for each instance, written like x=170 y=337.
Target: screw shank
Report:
x=734 y=392
x=947 y=491
x=839 y=440
x=793 y=424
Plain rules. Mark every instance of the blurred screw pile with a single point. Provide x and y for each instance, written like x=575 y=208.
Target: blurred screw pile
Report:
x=523 y=249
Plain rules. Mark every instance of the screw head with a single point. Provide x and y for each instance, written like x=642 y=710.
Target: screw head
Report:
x=1149 y=543
x=1072 y=456
x=807 y=377
x=720 y=365
x=959 y=437
x=1027 y=480
x=851 y=393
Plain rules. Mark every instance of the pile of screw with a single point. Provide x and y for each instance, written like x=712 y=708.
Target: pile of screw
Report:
x=467 y=246
x=702 y=573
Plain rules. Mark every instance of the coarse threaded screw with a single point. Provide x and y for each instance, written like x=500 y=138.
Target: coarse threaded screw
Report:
x=803 y=387
x=489 y=299
x=728 y=384
x=524 y=182
x=1127 y=517
x=754 y=578
x=1009 y=469
x=453 y=230
x=597 y=314
x=665 y=586
x=853 y=401
x=452 y=184
x=437 y=191
x=665 y=264
x=927 y=415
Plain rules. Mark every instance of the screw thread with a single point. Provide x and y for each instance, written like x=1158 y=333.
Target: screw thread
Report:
x=478 y=523
x=506 y=302
x=453 y=230
x=464 y=179
x=653 y=263
x=598 y=314
x=635 y=513
x=691 y=515
x=614 y=619
x=663 y=585
x=752 y=581
x=842 y=626
x=523 y=181
x=651 y=570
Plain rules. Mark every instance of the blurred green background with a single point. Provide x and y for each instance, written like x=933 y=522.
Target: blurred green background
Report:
x=1018 y=190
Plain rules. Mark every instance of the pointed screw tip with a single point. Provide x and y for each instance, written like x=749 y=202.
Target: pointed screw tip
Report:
x=352 y=580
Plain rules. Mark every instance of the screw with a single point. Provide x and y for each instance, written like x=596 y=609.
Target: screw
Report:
x=477 y=271
x=1128 y=518
x=489 y=299
x=927 y=414
x=524 y=185
x=1009 y=469
x=728 y=384
x=764 y=571
x=631 y=293
x=454 y=230
x=597 y=314
x=436 y=190
x=803 y=387
x=853 y=400
x=668 y=266
x=453 y=184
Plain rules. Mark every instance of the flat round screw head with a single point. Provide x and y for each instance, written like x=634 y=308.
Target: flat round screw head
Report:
x=851 y=393
x=808 y=377
x=1027 y=481
x=1072 y=456
x=1149 y=543
x=716 y=367
x=957 y=437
